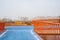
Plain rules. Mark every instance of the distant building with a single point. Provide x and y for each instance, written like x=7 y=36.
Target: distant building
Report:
x=7 y=20
x=24 y=19
x=46 y=17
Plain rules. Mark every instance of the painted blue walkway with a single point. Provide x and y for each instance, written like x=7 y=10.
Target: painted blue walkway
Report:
x=19 y=33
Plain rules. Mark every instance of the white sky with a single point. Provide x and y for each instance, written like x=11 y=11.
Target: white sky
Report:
x=29 y=8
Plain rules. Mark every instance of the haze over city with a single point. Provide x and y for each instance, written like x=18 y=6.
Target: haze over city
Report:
x=29 y=8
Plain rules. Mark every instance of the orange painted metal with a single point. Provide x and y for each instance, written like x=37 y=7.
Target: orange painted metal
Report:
x=46 y=27
x=2 y=26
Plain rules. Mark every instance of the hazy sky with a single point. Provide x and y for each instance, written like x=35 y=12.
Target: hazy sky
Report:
x=29 y=8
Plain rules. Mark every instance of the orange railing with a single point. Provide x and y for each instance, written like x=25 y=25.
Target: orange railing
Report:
x=2 y=25
x=46 y=27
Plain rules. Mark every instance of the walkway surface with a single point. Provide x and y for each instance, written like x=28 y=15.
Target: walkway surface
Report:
x=19 y=33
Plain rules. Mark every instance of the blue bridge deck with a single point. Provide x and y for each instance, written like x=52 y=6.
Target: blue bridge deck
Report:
x=19 y=33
